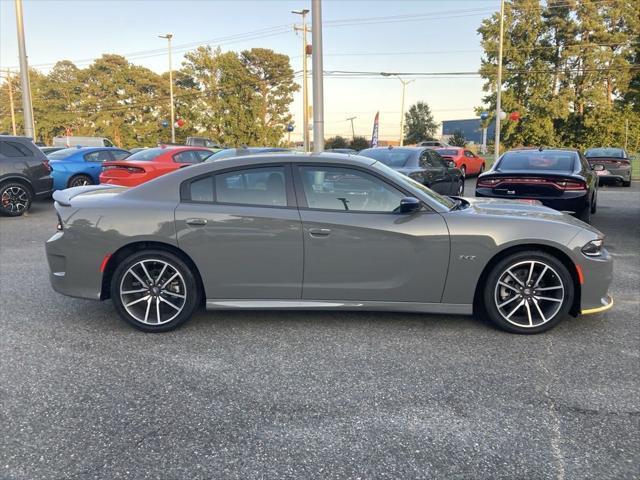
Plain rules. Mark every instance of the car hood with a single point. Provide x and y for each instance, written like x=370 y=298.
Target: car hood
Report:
x=494 y=207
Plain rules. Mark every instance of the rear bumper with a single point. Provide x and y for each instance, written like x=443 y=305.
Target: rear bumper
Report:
x=615 y=176
x=43 y=187
x=575 y=204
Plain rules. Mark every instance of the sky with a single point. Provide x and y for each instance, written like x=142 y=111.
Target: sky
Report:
x=358 y=35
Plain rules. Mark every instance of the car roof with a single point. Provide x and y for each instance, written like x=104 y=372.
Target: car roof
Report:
x=542 y=149
x=411 y=149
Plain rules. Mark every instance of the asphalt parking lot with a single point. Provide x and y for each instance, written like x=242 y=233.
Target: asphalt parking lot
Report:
x=314 y=395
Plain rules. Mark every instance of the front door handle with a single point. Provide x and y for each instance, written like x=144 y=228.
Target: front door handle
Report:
x=319 y=232
x=196 y=221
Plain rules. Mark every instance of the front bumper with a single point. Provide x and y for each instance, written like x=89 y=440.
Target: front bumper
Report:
x=597 y=274
x=607 y=303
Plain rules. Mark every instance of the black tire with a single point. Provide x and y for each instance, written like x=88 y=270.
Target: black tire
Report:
x=585 y=215
x=555 y=274
x=187 y=286
x=15 y=199
x=463 y=169
x=481 y=170
x=626 y=183
x=594 y=204
x=79 y=180
x=460 y=187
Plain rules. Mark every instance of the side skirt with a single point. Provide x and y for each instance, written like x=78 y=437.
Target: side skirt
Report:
x=446 y=308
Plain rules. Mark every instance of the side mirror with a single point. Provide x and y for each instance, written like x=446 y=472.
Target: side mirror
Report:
x=451 y=164
x=409 y=205
x=598 y=167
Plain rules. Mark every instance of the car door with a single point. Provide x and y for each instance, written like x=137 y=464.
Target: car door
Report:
x=356 y=245
x=473 y=162
x=242 y=229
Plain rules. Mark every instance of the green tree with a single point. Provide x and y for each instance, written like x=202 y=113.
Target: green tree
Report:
x=359 y=143
x=336 y=142
x=419 y=123
x=457 y=139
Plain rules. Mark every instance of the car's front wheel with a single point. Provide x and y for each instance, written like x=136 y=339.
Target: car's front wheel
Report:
x=154 y=291
x=528 y=292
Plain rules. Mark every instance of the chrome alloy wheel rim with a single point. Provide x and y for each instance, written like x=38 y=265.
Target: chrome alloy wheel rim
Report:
x=79 y=182
x=14 y=199
x=153 y=292
x=529 y=294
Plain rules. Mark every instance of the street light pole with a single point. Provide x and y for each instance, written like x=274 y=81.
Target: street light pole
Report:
x=317 y=68
x=27 y=109
x=404 y=86
x=496 y=147
x=353 y=131
x=305 y=75
x=169 y=36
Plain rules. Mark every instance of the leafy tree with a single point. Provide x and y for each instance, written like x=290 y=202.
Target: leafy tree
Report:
x=336 y=142
x=419 y=123
x=359 y=143
x=457 y=139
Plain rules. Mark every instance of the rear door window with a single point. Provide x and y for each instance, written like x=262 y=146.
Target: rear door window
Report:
x=264 y=186
x=188 y=156
x=99 y=156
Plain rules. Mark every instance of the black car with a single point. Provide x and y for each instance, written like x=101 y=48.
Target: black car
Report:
x=616 y=165
x=422 y=165
x=559 y=178
x=24 y=175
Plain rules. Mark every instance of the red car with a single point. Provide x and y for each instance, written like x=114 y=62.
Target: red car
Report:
x=150 y=163
x=467 y=161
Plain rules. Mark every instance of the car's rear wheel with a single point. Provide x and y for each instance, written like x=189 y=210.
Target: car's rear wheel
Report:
x=79 y=181
x=460 y=187
x=528 y=292
x=154 y=291
x=463 y=169
x=15 y=199
x=585 y=215
x=626 y=183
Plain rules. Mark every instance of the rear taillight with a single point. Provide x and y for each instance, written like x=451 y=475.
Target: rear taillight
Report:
x=122 y=167
x=47 y=166
x=559 y=184
x=488 y=182
x=571 y=185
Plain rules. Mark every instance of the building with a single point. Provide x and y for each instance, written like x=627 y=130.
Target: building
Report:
x=471 y=129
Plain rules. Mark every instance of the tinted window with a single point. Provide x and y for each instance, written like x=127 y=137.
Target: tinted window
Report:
x=391 y=157
x=147 y=155
x=256 y=186
x=188 y=156
x=202 y=190
x=107 y=143
x=538 y=160
x=434 y=160
x=605 y=152
x=99 y=156
x=467 y=153
x=14 y=149
x=227 y=153
x=449 y=152
x=62 y=154
x=120 y=154
x=203 y=154
x=331 y=188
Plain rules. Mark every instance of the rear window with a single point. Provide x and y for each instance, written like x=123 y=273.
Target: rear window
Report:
x=449 y=152
x=605 y=152
x=147 y=155
x=538 y=160
x=62 y=154
x=393 y=158
x=14 y=149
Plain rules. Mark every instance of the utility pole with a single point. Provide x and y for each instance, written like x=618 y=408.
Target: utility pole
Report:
x=169 y=36
x=305 y=75
x=404 y=86
x=13 y=112
x=353 y=131
x=496 y=147
x=317 y=68
x=27 y=109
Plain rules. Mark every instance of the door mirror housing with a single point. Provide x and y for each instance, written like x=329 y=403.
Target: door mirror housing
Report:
x=598 y=167
x=409 y=205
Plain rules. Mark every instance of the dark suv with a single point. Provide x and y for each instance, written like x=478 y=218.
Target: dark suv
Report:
x=24 y=175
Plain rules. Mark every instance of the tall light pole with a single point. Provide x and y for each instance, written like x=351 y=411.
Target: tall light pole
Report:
x=316 y=63
x=169 y=36
x=305 y=86
x=496 y=147
x=404 y=86
x=353 y=131
x=27 y=108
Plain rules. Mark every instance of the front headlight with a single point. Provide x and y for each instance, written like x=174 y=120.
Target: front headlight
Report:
x=593 y=248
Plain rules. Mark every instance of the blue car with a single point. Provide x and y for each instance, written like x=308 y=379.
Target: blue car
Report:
x=76 y=166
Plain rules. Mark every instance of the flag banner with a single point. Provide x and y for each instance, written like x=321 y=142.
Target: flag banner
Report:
x=374 y=135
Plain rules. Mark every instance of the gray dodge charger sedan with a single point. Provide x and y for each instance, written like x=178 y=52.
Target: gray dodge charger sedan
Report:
x=321 y=231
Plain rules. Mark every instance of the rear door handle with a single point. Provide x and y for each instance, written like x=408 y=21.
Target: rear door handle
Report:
x=196 y=221
x=319 y=232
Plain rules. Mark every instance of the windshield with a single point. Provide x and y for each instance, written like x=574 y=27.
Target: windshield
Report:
x=605 y=152
x=449 y=152
x=398 y=177
x=537 y=160
x=62 y=154
x=147 y=155
x=391 y=157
